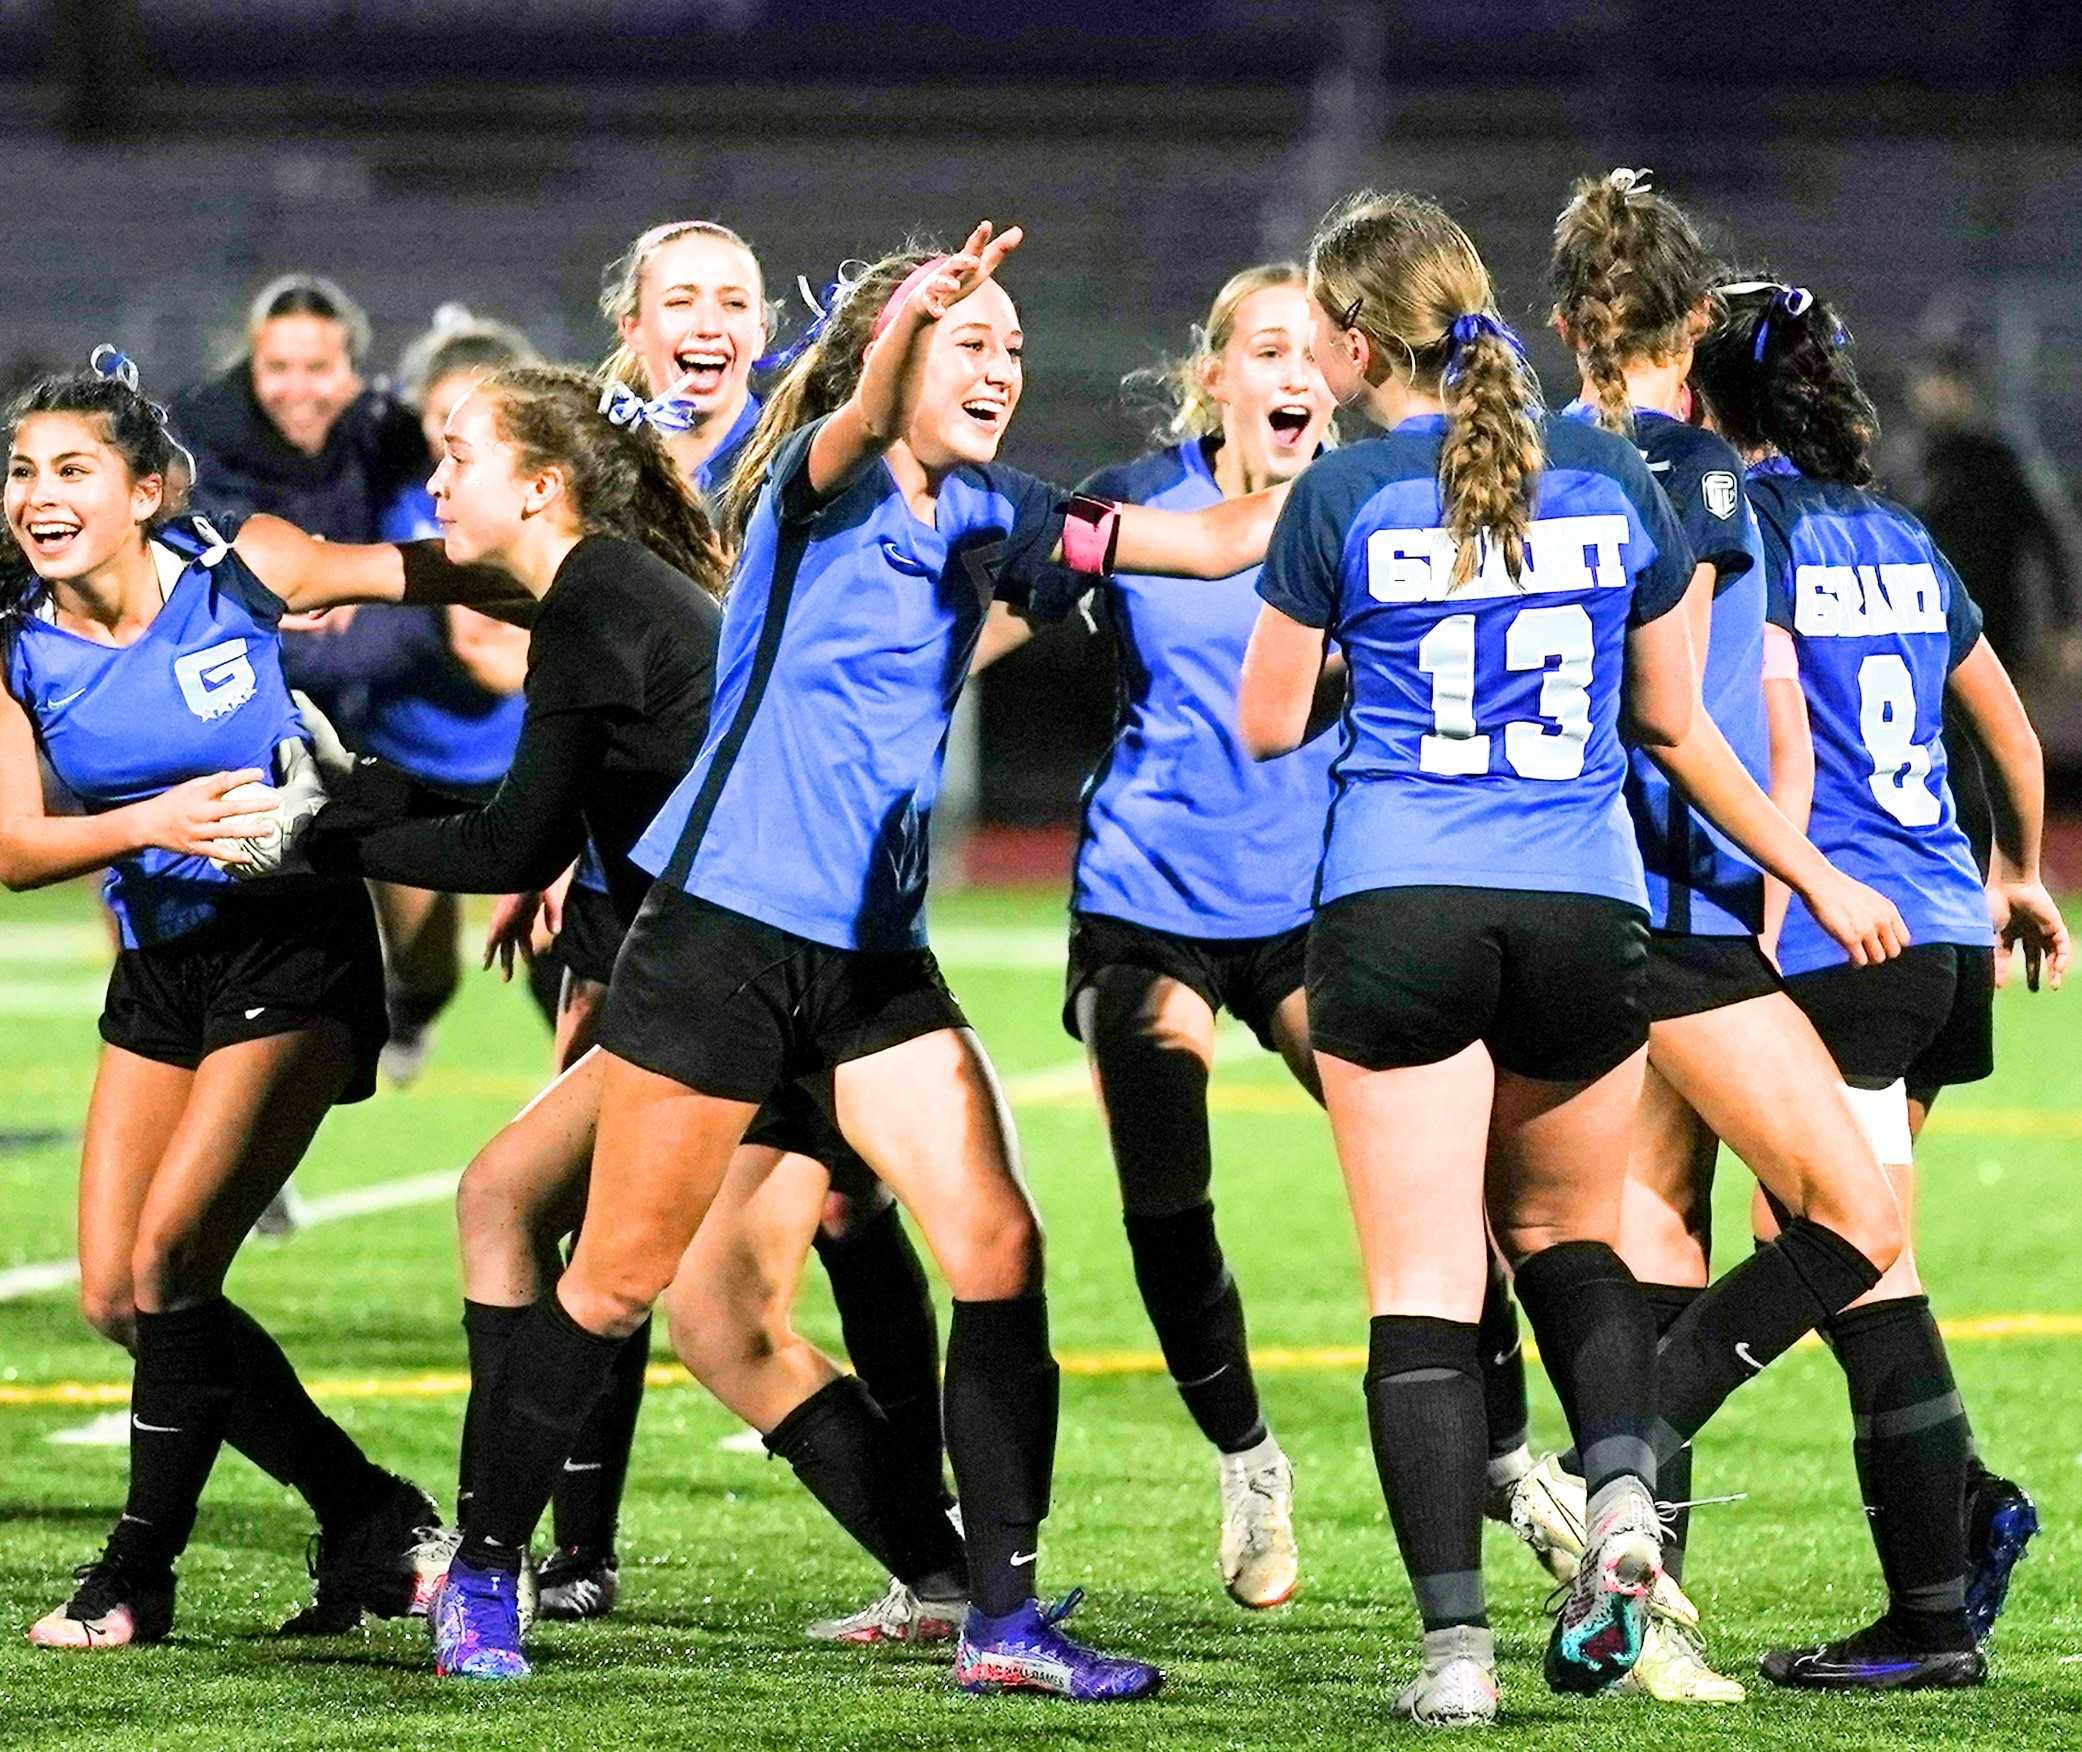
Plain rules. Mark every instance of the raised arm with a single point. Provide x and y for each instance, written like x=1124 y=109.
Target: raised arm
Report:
x=38 y=848
x=874 y=417
x=1213 y=542
x=2014 y=764
x=310 y=574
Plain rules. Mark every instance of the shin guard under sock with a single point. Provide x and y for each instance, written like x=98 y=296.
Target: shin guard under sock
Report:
x=275 y=1424
x=544 y=1390
x=1425 y=1415
x=1910 y=1445
x=488 y=1328
x=1750 y=1316
x=587 y=1503
x=180 y=1402
x=1597 y=1342
x=1198 y=1314
x=1003 y=1395
x=892 y=1336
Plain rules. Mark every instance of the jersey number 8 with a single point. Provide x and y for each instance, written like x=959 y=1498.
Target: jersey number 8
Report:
x=1552 y=749
x=1887 y=721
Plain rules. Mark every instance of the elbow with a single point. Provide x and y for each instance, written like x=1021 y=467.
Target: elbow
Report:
x=1265 y=741
x=1661 y=724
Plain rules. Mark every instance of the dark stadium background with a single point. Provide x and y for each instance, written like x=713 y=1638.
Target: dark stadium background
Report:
x=159 y=158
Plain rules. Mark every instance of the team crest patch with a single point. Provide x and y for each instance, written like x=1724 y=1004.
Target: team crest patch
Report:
x=1718 y=490
x=216 y=681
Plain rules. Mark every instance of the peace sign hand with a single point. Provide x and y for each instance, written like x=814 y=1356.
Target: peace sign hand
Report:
x=961 y=273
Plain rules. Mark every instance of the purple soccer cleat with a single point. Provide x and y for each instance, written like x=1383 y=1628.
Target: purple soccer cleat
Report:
x=1024 y=1651
x=475 y=1620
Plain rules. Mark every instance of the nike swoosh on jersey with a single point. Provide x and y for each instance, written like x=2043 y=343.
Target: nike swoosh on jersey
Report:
x=57 y=700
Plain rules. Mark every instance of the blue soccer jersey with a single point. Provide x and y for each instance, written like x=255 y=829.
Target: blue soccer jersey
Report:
x=1183 y=831
x=1481 y=743
x=199 y=691
x=1879 y=620
x=1698 y=881
x=847 y=635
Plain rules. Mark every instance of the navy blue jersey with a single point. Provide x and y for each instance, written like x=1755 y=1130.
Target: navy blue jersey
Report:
x=199 y=691
x=847 y=635
x=1698 y=880
x=1879 y=620
x=1481 y=743
x=1183 y=831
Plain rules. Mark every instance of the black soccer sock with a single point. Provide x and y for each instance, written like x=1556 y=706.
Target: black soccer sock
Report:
x=181 y=1390
x=1003 y=1394
x=1597 y=1341
x=1424 y=1412
x=1750 y=1316
x=273 y=1422
x=892 y=1336
x=1194 y=1305
x=488 y=1328
x=542 y=1392
x=1503 y=1366
x=839 y=1443
x=411 y=1012
x=1667 y=1303
x=1910 y=1447
x=587 y=1503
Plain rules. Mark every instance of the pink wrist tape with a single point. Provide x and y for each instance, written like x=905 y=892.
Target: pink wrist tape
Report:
x=1781 y=661
x=1090 y=529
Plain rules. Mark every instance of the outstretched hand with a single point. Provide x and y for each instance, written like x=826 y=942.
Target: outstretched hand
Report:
x=961 y=273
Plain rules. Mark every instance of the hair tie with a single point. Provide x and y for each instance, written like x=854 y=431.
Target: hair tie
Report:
x=114 y=364
x=669 y=412
x=1793 y=301
x=851 y=272
x=1469 y=328
x=1630 y=182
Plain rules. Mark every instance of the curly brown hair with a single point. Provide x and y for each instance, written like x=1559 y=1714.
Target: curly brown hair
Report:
x=1776 y=372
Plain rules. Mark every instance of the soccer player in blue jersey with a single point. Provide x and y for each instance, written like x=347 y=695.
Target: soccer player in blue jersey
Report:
x=1874 y=639
x=1730 y=1057
x=1500 y=584
x=785 y=934
x=142 y=658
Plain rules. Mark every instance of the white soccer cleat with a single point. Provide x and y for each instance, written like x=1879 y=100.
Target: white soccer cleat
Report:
x=1604 y=1614
x=899 y=1616
x=1547 y=1512
x=1457 y=1686
x=1260 y=1562
x=1673 y=1669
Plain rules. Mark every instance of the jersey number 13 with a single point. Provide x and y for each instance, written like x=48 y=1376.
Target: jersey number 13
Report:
x=1550 y=747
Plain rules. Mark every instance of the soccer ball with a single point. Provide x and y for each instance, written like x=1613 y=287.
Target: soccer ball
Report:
x=264 y=849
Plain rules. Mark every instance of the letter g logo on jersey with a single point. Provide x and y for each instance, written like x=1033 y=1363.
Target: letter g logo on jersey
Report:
x=216 y=680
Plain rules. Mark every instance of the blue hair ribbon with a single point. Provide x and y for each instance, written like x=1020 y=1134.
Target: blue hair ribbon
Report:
x=1794 y=301
x=1471 y=327
x=662 y=413
x=821 y=310
x=114 y=364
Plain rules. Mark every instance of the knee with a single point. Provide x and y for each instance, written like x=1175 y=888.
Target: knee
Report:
x=111 y=1312
x=1875 y=1229
x=720 y=1337
x=612 y=1296
x=996 y=1258
x=165 y=1265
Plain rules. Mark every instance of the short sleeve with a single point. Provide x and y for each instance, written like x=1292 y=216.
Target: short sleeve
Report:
x=1660 y=585
x=1778 y=570
x=1301 y=576
x=1962 y=616
x=1024 y=572
x=1704 y=484
x=586 y=655
x=795 y=500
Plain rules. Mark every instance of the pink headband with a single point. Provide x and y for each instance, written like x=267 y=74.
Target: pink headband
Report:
x=916 y=278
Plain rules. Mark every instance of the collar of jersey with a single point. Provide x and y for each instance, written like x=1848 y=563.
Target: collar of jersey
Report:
x=166 y=564
x=1419 y=423
x=1774 y=464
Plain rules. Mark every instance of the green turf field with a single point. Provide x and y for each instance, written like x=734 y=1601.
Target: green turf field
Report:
x=725 y=1558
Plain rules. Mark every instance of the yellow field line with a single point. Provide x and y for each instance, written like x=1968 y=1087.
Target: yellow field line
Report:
x=1269 y=1359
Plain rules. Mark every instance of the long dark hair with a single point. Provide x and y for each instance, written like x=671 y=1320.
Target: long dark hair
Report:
x=1776 y=371
x=819 y=380
x=131 y=425
x=620 y=479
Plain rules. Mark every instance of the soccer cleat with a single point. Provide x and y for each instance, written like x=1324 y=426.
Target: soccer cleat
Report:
x=1547 y=1512
x=898 y=1616
x=374 y=1563
x=117 y=1603
x=1604 y=1612
x=1672 y=1668
x=476 y=1625
x=1878 y=1658
x=1456 y=1687
x=1025 y=1651
x=577 y=1582
x=1260 y=1564
x=2000 y=1522
x=430 y=1560
x=405 y=1055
